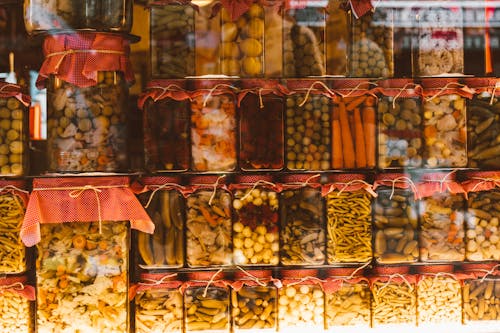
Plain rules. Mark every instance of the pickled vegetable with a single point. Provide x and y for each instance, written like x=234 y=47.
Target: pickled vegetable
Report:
x=159 y=311
x=206 y=309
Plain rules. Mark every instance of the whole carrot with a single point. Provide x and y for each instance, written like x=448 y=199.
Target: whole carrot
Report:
x=337 y=154
x=369 y=131
x=360 y=140
x=348 y=146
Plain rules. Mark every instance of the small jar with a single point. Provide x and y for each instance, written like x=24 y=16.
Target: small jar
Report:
x=213 y=126
x=261 y=125
x=301 y=302
x=208 y=222
x=158 y=304
x=483 y=124
x=166 y=119
x=396 y=219
x=439 y=297
x=254 y=302
x=206 y=303
x=162 y=198
x=348 y=219
x=399 y=124
x=441 y=207
x=256 y=221
x=172 y=40
x=347 y=300
x=481 y=220
x=302 y=233
x=16 y=300
x=308 y=125
x=14 y=132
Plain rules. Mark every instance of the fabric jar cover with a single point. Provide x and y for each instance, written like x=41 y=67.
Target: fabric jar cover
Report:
x=158 y=90
x=77 y=58
x=481 y=181
x=396 y=180
x=261 y=88
x=347 y=183
x=150 y=281
x=435 y=87
x=438 y=182
x=59 y=200
x=17 y=285
x=13 y=90
x=399 y=88
x=489 y=85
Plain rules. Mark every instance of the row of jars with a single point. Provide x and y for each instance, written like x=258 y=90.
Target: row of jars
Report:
x=298 y=220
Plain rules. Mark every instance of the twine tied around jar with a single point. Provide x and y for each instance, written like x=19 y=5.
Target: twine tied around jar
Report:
x=452 y=85
x=14 y=188
x=391 y=277
x=488 y=272
x=214 y=192
x=367 y=187
x=442 y=274
x=71 y=51
x=307 y=278
x=159 y=188
x=152 y=282
x=251 y=277
x=211 y=91
x=304 y=183
x=311 y=87
x=497 y=86
x=13 y=286
x=170 y=87
x=257 y=183
x=405 y=180
x=495 y=181
x=407 y=86
x=212 y=279
x=356 y=88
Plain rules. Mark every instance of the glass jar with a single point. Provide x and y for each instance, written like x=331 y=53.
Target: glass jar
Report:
x=301 y=302
x=261 y=112
x=158 y=304
x=347 y=300
x=206 y=303
x=308 y=125
x=441 y=207
x=256 y=221
x=172 y=40
x=164 y=203
x=481 y=220
x=396 y=219
x=371 y=47
x=208 y=222
x=14 y=132
x=302 y=233
x=213 y=126
x=439 y=46
x=483 y=124
x=87 y=126
x=13 y=201
x=242 y=42
x=16 y=298
x=304 y=40
x=439 y=298
x=254 y=302
x=349 y=219
x=166 y=119
x=399 y=124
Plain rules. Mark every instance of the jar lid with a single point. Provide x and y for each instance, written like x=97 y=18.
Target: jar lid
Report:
x=303 y=83
x=437 y=177
x=344 y=271
x=437 y=82
x=207 y=179
x=299 y=273
x=390 y=270
x=251 y=179
x=479 y=82
x=391 y=176
x=346 y=177
x=160 y=180
x=259 y=83
x=435 y=268
x=206 y=276
x=258 y=274
x=349 y=83
x=471 y=267
x=301 y=178
x=211 y=83
x=394 y=83
x=158 y=277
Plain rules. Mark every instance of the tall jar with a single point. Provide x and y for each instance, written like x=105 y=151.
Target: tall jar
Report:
x=348 y=218
x=254 y=300
x=439 y=48
x=206 y=303
x=213 y=126
x=301 y=302
x=256 y=220
x=13 y=201
x=445 y=133
x=16 y=298
x=371 y=47
x=302 y=233
x=442 y=208
x=208 y=222
x=172 y=39
x=353 y=124
x=158 y=304
x=166 y=119
x=399 y=124
x=396 y=219
x=347 y=300
x=87 y=101
x=242 y=40
x=483 y=124
x=482 y=235
x=163 y=201
x=261 y=107
x=308 y=125
x=304 y=39
x=14 y=132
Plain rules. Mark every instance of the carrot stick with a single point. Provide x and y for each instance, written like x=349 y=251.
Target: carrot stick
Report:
x=355 y=103
x=337 y=155
x=348 y=147
x=369 y=129
x=360 y=140
x=208 y=217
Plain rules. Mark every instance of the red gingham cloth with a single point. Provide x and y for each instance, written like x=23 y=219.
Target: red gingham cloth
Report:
x=17 y=285
x=76 y=58
x=360 y=7
x=158 y=90
x=13 y=90
x=81 y=199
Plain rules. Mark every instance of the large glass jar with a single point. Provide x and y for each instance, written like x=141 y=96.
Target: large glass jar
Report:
x=165 y=204
x=261 y=125
x=348 y=219
x=395 y=219
x=256 y=221
x=302 y=233
x=14 y=133
x=16 y=298
x=213 y=126
x=166 y=120
x=208 y=222
x=206 y=303
x=172 y=40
